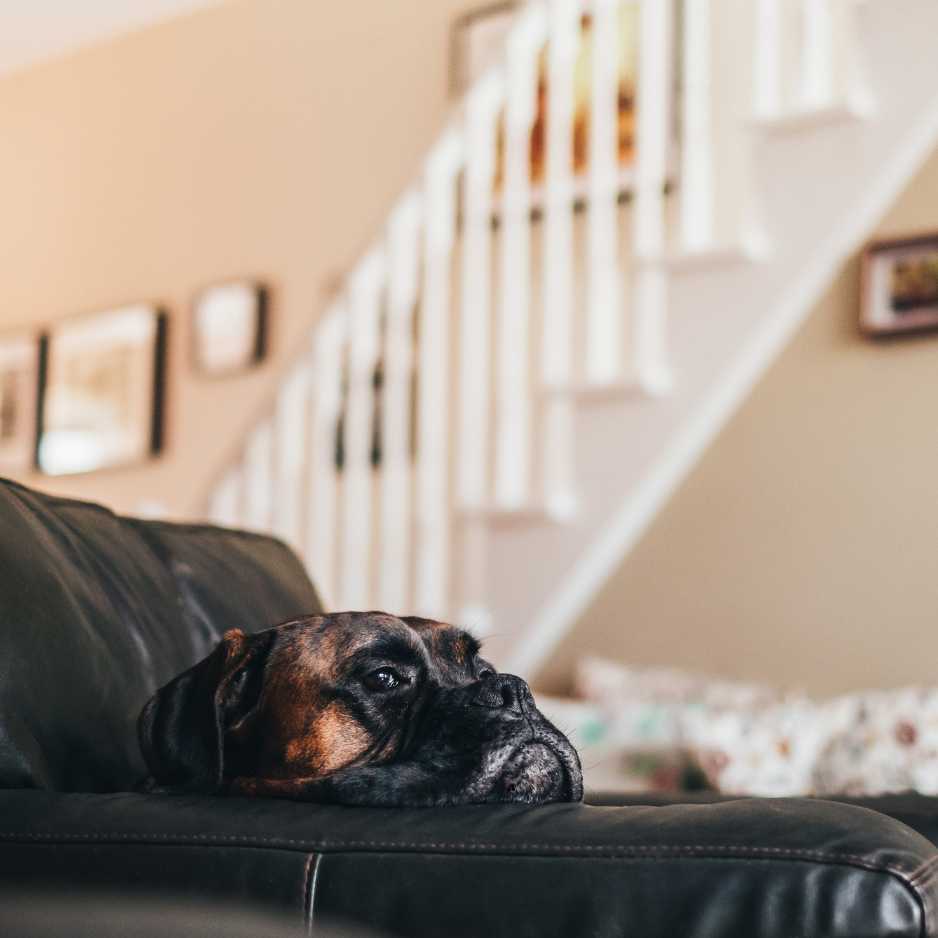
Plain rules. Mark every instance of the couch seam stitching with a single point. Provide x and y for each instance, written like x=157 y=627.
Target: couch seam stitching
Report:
x=483 y=846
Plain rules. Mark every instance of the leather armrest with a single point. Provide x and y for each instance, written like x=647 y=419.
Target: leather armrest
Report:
x=920 y=812
x=760 y=869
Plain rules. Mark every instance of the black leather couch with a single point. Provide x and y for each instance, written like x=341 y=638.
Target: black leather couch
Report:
x=97 y=611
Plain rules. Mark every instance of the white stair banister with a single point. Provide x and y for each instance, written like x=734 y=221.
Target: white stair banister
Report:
x=475 y=313
x=558 y=272
x=364 y=305
x=258 y=478
x=403 y=253
x=432 y=508
x=604 y=312
x=322 y=512
x=473 y=433
x=513 y=405
x=767 y=59
x=817 y=54
x=697 y=181
x=291 y=422
x=225 y=502
x=649 y=319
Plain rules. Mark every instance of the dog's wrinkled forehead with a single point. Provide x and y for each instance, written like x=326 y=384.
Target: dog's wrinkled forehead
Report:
x=451 y=650
x=330 y=646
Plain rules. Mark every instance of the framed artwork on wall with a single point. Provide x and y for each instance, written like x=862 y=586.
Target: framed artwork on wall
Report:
x=229 y=328
x=899 y=286
x=102 y=401
x=19 y=393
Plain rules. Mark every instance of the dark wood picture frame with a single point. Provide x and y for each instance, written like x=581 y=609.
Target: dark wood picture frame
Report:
x=152 y=391
x=899 y=286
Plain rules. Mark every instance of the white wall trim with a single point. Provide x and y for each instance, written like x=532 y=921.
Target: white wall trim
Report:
x=558 y=614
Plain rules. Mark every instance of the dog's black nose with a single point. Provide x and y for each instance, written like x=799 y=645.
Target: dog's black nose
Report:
x=503 y=691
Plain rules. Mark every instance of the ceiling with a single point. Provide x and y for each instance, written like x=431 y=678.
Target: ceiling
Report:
x=35 y=30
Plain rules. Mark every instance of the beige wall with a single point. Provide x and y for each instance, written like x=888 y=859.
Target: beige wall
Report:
x=265 y=138
x=804 y=547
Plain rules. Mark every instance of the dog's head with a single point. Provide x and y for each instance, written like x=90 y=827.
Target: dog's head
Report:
x=360 y=708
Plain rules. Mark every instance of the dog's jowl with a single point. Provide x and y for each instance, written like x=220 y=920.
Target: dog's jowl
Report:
x=357 y=708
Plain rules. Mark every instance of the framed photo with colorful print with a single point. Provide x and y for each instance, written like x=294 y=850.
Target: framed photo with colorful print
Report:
x=899 y=286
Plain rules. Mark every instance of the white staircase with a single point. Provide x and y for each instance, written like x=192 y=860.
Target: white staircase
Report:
x=571 y=366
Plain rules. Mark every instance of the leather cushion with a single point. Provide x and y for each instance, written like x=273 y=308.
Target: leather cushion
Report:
x=767 y=868
x=97 y=611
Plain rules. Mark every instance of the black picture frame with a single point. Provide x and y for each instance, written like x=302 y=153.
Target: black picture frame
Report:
x=250 y=349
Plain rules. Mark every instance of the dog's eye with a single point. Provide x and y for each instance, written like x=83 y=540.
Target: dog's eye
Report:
x=383 y=679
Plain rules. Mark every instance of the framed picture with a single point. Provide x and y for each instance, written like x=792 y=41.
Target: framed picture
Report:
x=102 y=399
x=899 y=291
x=19 y=393
x=229 y=328
x=480 y=34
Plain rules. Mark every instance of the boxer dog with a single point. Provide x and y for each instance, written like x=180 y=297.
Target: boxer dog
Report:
x=355 y=708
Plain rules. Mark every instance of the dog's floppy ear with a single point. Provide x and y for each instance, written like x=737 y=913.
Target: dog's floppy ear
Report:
x=182 y=727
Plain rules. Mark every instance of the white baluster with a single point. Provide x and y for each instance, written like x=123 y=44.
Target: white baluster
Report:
x=472 y=465
x=697 y=181
x=225 y=504
x=649 y=336
x=291 y=421
x=258 y=478
x=474 y=452
x=604 y=312
x=403 y=273
x=817 y=54
x=433 y=431
x=850 y=60
x=513 y=394
x=557 y=335
x=365 y=287
x=767 y=64
x=327 y=351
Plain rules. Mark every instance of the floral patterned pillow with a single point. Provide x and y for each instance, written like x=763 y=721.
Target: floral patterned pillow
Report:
x=889 y=745
x=610 y=765
x=756 y=740
x=639 y=719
